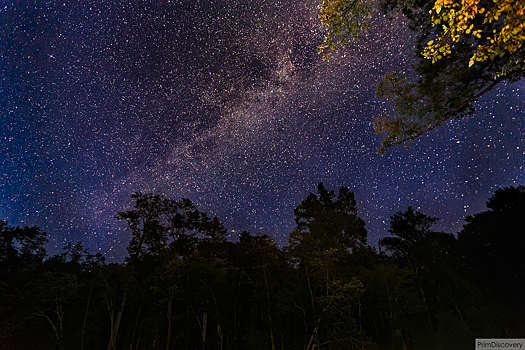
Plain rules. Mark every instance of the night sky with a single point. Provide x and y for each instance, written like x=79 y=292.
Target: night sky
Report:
x=227 y=103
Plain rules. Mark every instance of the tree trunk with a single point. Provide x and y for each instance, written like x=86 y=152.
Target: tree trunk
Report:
x=169 y=325
x=220 y=334
x=85 y=320
x=311 y=345
x=309 y=285
x=55 y=329
x=135 y=328
x=269 y=312
x=203 y=330
x=60 y=314
x=115 y=326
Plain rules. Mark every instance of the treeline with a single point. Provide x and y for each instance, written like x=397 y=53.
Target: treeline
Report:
x=185 y=286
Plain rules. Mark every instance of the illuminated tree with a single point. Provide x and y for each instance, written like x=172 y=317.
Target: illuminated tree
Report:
x=451 y=35
x=446 y=86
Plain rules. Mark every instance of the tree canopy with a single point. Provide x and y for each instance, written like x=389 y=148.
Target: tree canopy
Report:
x=326 y=290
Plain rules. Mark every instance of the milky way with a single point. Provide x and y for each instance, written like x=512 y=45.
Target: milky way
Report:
x=226 y=103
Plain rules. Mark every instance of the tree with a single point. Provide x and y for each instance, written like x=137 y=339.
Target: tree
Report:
x=157 y=223
x=408 y=230
x=496 y=236
x=266 y=261
x=325 y=222
x=115 y=282
x=447 y=86
x=149 y=236
x=165 y=289
x=204 y=293
x=44 y=294
x=328 y=230
x=184 y=222
x=450 y=302
x=414 y=244
x=493 y=243
x=78 y=257
x=20 y=246
x=214 y=243
x=391 y=303
x=21 y=253
x=50 y=295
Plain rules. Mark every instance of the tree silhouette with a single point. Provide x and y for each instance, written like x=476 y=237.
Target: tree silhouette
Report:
x=326 y=290
x=494 y=241
x=451 y=303
x=157 y=223
x=149 y=235
x=20 y=245
x=325 y=222
x=409 y=230
x=328 y=230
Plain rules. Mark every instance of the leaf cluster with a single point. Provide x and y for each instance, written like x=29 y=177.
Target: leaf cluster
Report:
x=343 y=19
x=497 y=37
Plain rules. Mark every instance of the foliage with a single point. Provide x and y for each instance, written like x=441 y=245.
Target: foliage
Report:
x=450 y=302
x=343 y=18
x=157 y=223
x=391 y=303
x=328 y=230
x=446 y=89
x=409 y=230
x=20 y=245
x=458 y=18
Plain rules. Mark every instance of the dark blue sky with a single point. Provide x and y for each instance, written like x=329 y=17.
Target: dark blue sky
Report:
x=226 y=103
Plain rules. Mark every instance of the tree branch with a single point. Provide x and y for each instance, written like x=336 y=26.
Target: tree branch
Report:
x=451 y=113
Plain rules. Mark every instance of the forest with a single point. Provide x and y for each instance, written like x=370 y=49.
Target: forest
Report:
x=184 y=285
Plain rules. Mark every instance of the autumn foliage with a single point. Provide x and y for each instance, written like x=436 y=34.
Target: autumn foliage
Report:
x=458 y=18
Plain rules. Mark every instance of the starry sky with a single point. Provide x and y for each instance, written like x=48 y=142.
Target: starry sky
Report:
x=227 y=103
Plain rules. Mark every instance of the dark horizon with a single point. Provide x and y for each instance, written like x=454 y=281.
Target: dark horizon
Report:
x=184 y=285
